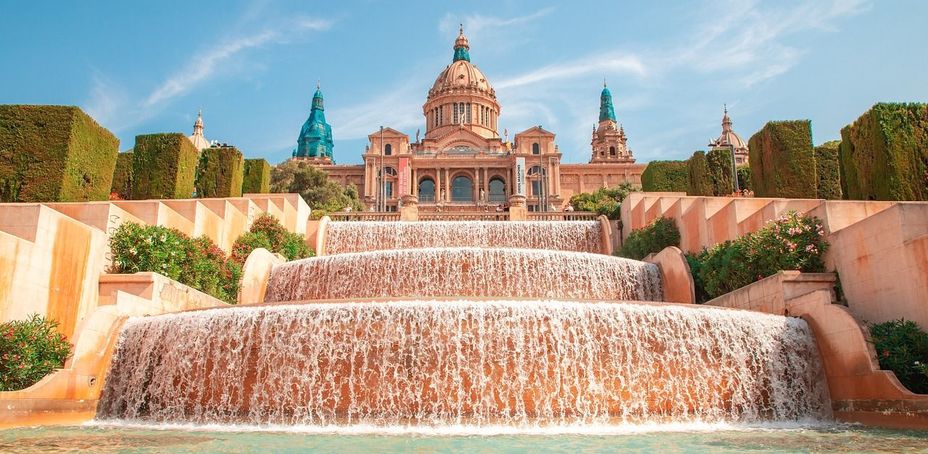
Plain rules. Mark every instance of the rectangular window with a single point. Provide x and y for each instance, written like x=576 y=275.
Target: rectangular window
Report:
x=454 y=118
x=388 y=189
x=467 y=110
x=536 y=188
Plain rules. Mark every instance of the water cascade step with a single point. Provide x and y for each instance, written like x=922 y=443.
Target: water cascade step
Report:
x=577 y=236
x=465 y=272
x=515 y=363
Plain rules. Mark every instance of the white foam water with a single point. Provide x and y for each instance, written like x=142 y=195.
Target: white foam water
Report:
x=465 y=272
x=515 y=364
x=577 y=236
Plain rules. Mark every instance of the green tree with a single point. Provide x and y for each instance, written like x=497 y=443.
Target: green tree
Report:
x=313 y=184
x=604 y=201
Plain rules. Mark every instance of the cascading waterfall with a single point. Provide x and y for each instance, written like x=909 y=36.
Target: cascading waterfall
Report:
x=465 y=362
x=465 y=272
x=578 y=236
x=464 y=323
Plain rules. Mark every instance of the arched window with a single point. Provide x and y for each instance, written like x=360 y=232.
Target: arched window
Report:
x=535 y=148
x=389 y=171
x=427 y=190
x=497 y=190
x=467 y=112
x=388 y=149
x=611 y=151
x=462 y=189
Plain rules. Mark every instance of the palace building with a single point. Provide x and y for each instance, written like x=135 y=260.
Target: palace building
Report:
x=462 y=163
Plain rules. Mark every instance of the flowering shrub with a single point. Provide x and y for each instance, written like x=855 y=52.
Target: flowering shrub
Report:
x=902 y=347
x=196 y=262
x=791 y=242
x=29 y=350
x=267 y=232
x=661 y=233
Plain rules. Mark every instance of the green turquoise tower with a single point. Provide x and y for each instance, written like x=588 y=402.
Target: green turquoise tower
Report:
x=606 y=111
x=315 y=139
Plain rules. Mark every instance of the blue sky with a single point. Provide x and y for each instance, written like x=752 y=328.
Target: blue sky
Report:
x=144 y=67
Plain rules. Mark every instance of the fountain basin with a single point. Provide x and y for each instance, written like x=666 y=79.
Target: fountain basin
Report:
x=465 y=272
x=465 y=362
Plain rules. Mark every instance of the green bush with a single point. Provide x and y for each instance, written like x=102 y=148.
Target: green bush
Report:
x=54 y=154
x=791 y=242
x=163 y=166
x=29 y=350
x=196 y=262
x=267 y=232
x=122 y=176
x=665 y=176
x=604 y=201
x=902 y=347
x=720 y=161
x=782 y=161
x=661 y=233
x=220 y=172
x=884 y=153
x=827 y=169
x=257 y=177
x=744 y=177
x=699 y=182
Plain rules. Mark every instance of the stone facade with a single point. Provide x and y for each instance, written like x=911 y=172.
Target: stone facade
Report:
x=462 y=163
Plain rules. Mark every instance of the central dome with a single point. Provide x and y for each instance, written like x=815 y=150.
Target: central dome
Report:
x=461 y=74
x=461 y=98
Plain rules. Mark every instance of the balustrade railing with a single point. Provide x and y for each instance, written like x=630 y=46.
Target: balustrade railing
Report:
x=562 y=216
x=464 y=216
x=364 y=216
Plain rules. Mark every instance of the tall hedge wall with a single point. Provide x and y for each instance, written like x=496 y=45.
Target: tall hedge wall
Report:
x=54 y=154
x=827 y=169
x=163 y=166
x=257 y=177
x=122 y=176
x=699 y=182
x=720 y=161
x=884 y=153
x=220 y=172
x=665 y=176
x=782 y=160
x=744 y=177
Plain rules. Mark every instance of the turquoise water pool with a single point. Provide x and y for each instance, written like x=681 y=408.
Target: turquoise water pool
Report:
x=102 y=438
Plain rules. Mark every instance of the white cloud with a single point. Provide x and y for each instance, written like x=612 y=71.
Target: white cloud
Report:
x=203 y=66
x=476 y=23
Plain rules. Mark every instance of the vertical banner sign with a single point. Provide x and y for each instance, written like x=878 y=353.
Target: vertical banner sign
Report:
x=520 y=176
x=404 y=171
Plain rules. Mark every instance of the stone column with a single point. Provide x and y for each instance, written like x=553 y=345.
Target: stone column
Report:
x=410 y=209
x=517 y=209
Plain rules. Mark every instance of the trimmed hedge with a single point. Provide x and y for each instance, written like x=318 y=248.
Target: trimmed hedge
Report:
x=220 y=172
x=257 y=177
x=744 y=177
x=604 y=201
x=54 y=154
x=720 y=161
x=782 y=161
x=654 y=238
x=884 y=153
x=122 y=176
x=827 y=169
x=699 y=182
x=163 y=166
x=665 y=176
